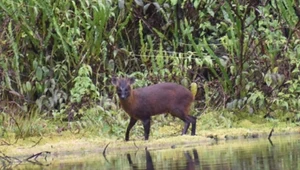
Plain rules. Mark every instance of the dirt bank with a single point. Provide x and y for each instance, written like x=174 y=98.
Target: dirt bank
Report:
x=68 y=143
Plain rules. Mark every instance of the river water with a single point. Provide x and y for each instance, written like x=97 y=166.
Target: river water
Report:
x=282 y=153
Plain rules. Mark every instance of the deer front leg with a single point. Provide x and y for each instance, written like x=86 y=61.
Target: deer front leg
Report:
x=132 y=122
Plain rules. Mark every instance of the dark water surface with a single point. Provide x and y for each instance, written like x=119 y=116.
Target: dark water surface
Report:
x=282 y=154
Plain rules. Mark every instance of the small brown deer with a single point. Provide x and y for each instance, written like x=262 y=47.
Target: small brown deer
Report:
x=142 y=103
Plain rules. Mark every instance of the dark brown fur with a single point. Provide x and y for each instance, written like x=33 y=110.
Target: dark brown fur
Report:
x=142 y=103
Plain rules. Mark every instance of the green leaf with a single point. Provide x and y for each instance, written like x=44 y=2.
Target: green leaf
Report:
x=268 y=79
x=39 y=73
x=174 y=2
x=28 y=86
x=39 y=87
x=34 y=64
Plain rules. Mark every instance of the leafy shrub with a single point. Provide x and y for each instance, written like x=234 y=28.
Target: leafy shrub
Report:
x=83 y=85
x=242 y=55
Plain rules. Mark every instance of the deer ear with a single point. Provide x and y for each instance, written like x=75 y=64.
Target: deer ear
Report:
x=131 y=80
x=114 y=81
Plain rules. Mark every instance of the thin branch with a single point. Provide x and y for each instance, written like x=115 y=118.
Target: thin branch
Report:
x=16 y=122
x=104 y=152
x=9 y=158
x=136 y=146
x=271 y=142
x=37 y=142
x=270 y=134
x=35 y=156
x=105 y=149
x=3 y=142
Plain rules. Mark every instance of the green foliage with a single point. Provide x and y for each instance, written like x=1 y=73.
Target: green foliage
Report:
x=83 y=85
x=57 y=55
x=52 y=96
x=222 y=119
x=23 y=127
x=98 y=120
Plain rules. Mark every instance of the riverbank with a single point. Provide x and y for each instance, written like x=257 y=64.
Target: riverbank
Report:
x=68 y=143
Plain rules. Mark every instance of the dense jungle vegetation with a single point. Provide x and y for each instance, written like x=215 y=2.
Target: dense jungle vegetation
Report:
x=57 y=58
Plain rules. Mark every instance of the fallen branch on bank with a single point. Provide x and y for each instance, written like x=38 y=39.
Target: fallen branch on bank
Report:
x=9 y=161
x=35 y=156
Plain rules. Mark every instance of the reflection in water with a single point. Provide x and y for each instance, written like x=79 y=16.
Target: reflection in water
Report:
x=282 y=153
x=270 y=141
x=192 y=161
x=279 y=153
x=149 y=162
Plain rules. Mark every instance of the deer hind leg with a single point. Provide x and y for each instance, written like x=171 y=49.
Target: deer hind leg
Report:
x=193 y=121
x=146 y=124
x=187 y=119
x=186 y=127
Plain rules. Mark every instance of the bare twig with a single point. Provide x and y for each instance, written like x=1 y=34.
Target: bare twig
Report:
x=35 y=162
x=270 y=134
x=16 y=122
x=35 y=156
x=105 y=149
x=136 y=146
x=271 y=142
x=9 y=159
x=104 y=152
x=3 y=142
x=37 y=142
